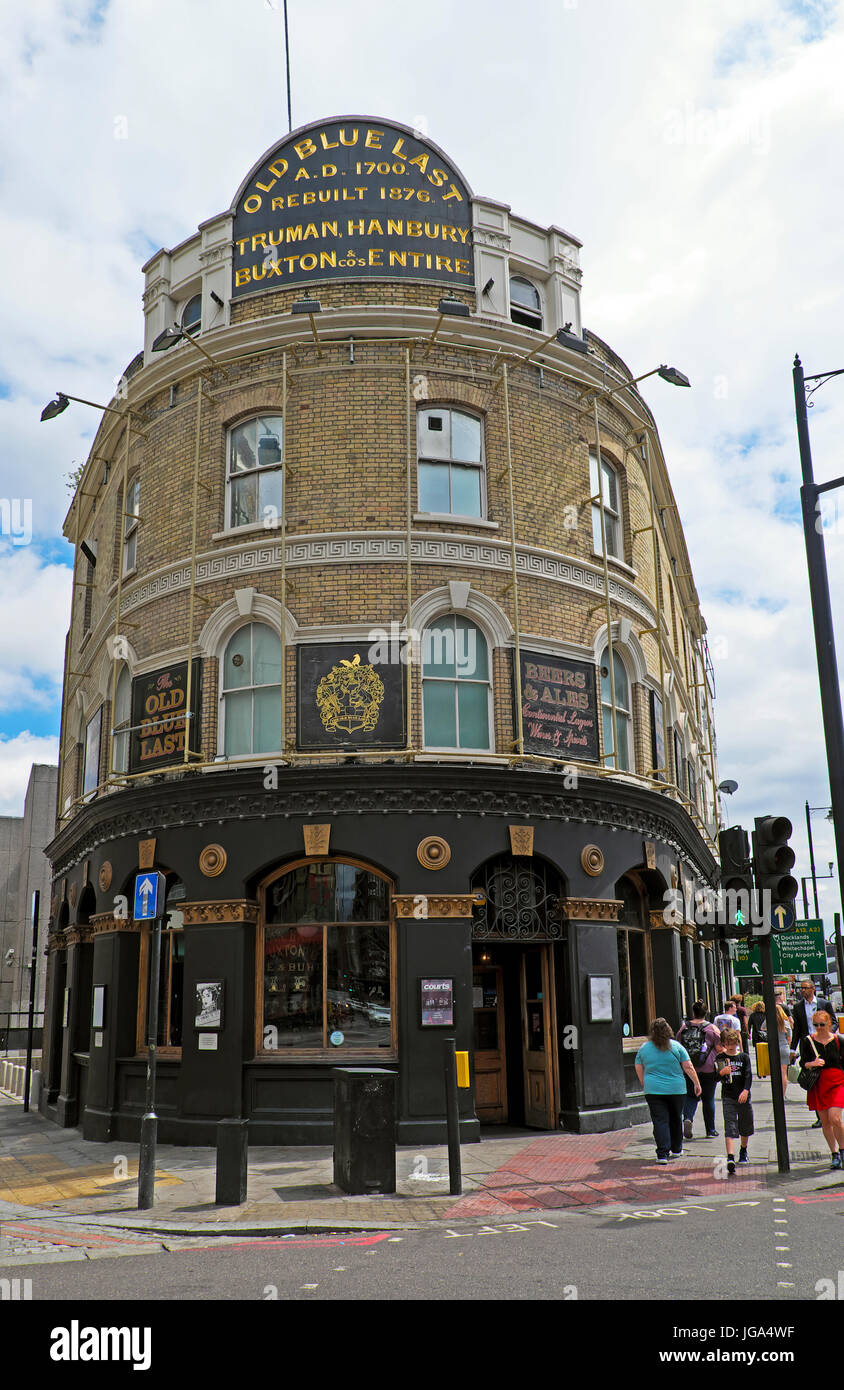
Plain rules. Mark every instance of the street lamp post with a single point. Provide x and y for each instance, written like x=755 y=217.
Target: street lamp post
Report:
x=830 y=689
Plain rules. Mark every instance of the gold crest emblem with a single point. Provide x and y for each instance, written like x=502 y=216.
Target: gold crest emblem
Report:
x=349 y=697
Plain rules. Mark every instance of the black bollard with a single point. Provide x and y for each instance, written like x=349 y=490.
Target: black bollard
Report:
x=232 y=1162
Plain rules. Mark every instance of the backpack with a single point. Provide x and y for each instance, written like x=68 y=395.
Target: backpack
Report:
x=695 y=1043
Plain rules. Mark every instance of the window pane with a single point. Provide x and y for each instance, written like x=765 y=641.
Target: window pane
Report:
x=361 y=896
x=638 y=982
x=177 y=992
x=473 y=715
x=268 y=432
x=465 y=437
x=622 y=724
x=435 y=434
x=471 y=656
x=266 y=737
x=622 y=687
x=466 y=491
x=440 y=719
x=624 y=984
x=292 y=987
x=238 y=717
x=613 y=545
x=92 y=753
x=266 y=658
x=433 y=487
x=608 y=738
x=269 y=495
x=524 y=293
x=130 y=552
x=359 y=985
x=133 y=498
x=610 y=488
x=244 y=501
x=305 y=895
x=597 y=539
x=237 y=662
x=438 y=649
x=242 y=448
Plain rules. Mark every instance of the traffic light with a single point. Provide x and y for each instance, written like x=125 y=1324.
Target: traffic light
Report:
x=773 y=859
x=736 y=880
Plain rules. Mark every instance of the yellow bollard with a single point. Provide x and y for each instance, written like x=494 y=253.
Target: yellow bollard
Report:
x=763 y=1061
x=462 y=1059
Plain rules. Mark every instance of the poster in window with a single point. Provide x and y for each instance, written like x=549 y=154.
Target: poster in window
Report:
x=559 y=707
x=436 y=1003
x=657 y=738
x=208 y=1007
x=350 y=695
x=159 y=701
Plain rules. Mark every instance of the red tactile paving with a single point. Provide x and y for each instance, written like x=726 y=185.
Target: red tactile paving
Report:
x=589 y=1170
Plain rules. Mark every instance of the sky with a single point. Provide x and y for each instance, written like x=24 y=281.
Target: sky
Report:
x=694 y=150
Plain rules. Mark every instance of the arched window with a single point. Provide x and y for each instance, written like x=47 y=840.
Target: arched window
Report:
x=192 y=315
x=250 y=692
x=451 y=462
x=130 y=526
x=121 y=721
x=325 y=982
x=525 y=302
x=254 y=481
x=612 y=507
x=456 y=690
x=621 y=756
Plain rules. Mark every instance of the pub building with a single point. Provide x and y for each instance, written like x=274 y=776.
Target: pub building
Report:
x=385 y=651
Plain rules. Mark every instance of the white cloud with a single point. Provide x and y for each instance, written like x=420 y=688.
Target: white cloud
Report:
x=696 y=159
x=16 y=758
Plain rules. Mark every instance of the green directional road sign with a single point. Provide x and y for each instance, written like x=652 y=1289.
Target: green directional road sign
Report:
x=798 y=952
x=801 y=951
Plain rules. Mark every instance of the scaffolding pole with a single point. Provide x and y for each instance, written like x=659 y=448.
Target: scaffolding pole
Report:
x=117 y=601
x=283 y=519
x=409 y=550
x=657 y=601
x=610 y=654
x=192 y=599
x=520 y=733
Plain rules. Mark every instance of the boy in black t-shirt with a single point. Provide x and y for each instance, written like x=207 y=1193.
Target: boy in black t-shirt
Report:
x=732 y=1066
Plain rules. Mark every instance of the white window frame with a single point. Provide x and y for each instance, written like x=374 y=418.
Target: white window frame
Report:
x=522 y=308
x=612 y=514
x=256 y=470
x=450 y=462
x=197 y=327
x=121 y=737
x=131 y=523
x=241 y=690
x=621 y=712
x=454 y=680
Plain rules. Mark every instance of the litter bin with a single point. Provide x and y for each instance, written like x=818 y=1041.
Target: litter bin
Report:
x=763 y=1063
x=365 y=1129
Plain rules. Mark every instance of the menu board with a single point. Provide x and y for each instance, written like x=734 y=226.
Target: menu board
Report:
x=559 y=707
x=436 y=1003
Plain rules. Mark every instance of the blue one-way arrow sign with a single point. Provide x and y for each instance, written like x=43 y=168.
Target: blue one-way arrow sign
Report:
x=149 y=896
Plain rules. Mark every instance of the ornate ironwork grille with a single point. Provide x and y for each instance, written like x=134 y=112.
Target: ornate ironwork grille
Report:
x=522 y=901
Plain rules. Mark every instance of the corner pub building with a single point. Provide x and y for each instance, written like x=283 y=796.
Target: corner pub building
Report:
x=385 y=650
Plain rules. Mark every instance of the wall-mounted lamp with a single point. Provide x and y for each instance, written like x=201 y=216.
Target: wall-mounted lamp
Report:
x=447 y=308
x=309 y=307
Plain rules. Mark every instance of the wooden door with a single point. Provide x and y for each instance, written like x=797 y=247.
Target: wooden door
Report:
x=537 y=1043
x=489 y=1046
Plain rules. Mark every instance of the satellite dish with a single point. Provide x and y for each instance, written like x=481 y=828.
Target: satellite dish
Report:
x=729 y=786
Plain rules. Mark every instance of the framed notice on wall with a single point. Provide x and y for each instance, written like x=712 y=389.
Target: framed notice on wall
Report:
x=98 y=1007
x=559 y=707
x=159 y=702
x=600 y=998
x=436 y=1002
x=347 y=699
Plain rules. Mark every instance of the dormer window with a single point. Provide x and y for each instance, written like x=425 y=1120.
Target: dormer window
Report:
x=525 y=303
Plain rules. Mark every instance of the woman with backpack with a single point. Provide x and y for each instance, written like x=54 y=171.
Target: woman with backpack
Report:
x=662 y=1066
x=701 y=1039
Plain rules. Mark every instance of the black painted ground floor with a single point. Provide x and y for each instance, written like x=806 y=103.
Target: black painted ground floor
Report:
x=359 y=916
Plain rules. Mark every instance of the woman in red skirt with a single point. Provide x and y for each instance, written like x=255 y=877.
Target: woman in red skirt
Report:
x=824 y=1050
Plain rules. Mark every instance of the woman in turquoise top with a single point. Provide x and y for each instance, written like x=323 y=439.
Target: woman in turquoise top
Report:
x=662 y=1066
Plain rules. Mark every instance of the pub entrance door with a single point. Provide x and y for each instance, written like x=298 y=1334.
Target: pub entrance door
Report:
x=515 y=1053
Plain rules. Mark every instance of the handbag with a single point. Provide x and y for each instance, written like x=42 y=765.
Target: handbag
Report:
x=807 y=1076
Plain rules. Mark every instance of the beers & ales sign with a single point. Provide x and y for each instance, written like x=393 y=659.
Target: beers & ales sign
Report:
x=354 y=197
x=159 y=701
x=559 y=707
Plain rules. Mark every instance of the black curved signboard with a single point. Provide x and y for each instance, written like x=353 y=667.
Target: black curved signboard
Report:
x=352 y=198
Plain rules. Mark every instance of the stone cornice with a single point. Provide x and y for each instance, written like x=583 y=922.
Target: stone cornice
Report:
x=224 y=910
x=321 y=794
x=378 y=547
x=591 y=909
x=106 y=922
x=435 y=905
